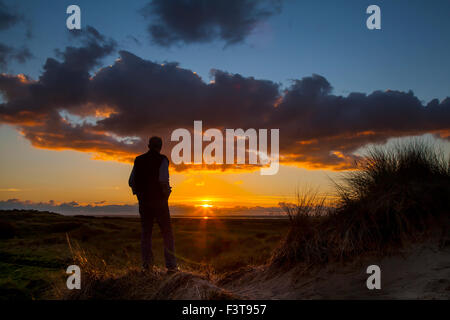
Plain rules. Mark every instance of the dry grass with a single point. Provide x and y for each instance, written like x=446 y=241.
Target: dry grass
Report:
x=397 y=195
x=103 y=282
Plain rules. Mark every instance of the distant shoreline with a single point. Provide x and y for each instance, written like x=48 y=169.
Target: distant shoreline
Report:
x=236 y=217
x=173 y=216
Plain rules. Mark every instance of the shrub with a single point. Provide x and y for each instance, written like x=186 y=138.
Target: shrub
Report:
x=395 y=195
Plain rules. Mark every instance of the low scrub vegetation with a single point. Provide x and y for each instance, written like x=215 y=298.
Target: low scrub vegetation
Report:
x=397 y=194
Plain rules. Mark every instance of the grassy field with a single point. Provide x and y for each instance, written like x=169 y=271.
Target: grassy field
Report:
x=34 y=250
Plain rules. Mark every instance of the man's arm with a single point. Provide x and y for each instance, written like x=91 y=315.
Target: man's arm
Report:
x=132 y=181
x=164 y=178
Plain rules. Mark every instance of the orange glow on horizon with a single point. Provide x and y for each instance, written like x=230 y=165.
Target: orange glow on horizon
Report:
x=206 y=204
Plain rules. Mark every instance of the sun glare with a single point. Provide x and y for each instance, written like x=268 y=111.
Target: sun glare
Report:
x=205 y=204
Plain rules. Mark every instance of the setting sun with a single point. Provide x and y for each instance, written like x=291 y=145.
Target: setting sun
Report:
x=206 y=204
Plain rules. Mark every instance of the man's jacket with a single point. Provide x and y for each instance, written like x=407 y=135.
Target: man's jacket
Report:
x=150 y=175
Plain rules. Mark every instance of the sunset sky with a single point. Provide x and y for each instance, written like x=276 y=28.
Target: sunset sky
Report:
x=76 y=107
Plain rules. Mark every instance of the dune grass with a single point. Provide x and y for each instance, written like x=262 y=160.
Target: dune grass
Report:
x=101 y=281
x=396 y=195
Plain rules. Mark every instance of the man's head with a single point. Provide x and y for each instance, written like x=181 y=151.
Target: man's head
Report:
x=155 y=144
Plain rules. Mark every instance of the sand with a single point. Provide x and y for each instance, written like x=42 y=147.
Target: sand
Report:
x=420 y=272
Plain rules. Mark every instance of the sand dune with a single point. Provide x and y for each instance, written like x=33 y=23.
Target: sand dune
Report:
x=420 y=272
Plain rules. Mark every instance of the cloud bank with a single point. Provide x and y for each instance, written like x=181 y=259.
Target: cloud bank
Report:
x=112 y=111
x=101 y=208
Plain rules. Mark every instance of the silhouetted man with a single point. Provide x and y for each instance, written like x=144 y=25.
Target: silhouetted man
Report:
x=149 y=180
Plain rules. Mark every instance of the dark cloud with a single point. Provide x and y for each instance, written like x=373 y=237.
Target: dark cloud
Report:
x=113 y=111
x=63 y=84
x=8 y=17
x=22 y=54
x=8 y=53
x=332 y=127
x=94 y=47
x=199 y=21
